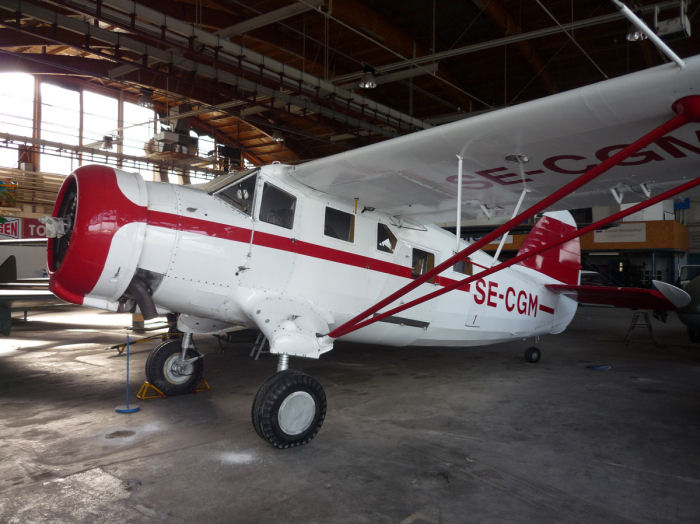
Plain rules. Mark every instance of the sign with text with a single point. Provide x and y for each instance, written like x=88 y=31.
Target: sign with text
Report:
x=622 y=233
x=10 y=228
x=16 y=228
x=32 y=228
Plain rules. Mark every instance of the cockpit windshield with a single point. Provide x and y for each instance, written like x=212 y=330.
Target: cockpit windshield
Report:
x=238 y=189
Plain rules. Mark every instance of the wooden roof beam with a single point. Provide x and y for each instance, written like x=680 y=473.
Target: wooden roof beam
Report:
x=357 y=15
x=269 y=18
x=505 y=23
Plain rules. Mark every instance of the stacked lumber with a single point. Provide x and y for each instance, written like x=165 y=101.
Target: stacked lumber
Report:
x=28 y=193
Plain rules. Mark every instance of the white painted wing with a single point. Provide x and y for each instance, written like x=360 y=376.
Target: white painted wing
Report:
x=414 y=176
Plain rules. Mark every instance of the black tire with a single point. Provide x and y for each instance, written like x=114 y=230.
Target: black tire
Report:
x=289 y=409
x=259 y=396
x=532 y=355
x=167 y=338
x=160 y=371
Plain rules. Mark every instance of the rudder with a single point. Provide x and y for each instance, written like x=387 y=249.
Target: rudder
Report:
x=563 y=262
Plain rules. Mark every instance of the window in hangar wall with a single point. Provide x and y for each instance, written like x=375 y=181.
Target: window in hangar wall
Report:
x=138 y=129
x=100 y=120
x=16 y=111
x=60 y=122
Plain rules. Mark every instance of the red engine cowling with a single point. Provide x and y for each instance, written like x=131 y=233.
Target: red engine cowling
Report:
x=104 y=213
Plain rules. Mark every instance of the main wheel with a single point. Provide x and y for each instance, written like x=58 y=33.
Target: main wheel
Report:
x=532 y=355
x=165 y=370
x=289 y=409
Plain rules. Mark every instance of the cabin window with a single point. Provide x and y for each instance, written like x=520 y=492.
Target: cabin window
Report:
x=339 y=224
x=422 y=263
x=463 y=266
x=386 y=241
x=277 y=207
x=240 y=194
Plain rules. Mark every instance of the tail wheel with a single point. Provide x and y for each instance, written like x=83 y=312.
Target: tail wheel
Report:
x=289 y=409
x=532 y=355
x=166 y=370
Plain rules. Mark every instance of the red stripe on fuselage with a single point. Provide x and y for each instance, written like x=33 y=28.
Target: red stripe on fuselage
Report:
x=240 y=234
x=198 y=226
x=269 y=240
x=103 y=209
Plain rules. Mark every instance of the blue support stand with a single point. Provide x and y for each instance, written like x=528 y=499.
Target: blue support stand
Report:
x=126 y=408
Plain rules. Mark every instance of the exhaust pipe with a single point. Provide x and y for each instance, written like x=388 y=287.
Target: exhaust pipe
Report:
x=138 y=290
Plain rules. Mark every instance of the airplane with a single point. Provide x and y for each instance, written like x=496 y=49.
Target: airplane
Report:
x=21 y=295
x=689 y=281
x=308 y=254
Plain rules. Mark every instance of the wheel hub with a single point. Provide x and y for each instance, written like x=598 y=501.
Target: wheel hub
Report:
x=296 y=413
x=177 y=371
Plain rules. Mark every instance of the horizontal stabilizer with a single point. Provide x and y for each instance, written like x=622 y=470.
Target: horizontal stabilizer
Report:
x=664 y=297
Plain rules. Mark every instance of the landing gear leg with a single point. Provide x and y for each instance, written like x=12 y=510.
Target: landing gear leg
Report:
x=289 y=407
x=175 y=367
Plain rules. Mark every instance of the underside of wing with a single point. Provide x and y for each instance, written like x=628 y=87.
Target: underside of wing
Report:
x=664 y=297
x=540 y=145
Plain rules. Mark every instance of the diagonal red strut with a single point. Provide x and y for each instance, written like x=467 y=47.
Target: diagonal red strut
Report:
x=687 y=109
x=637 y=207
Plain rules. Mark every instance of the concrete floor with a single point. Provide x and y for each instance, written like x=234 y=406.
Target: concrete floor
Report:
x=411 y=436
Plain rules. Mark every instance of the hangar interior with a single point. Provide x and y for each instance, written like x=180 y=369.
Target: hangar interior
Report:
x=186 y=91
x=282 y=82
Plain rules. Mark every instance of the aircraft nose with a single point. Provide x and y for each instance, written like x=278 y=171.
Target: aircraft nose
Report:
x=94 y=204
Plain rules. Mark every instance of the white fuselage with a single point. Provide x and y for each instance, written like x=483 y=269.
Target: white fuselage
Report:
x=216 y=264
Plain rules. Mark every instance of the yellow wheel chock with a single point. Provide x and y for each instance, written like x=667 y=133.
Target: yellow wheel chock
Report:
x=148 y=391
x=202 y=386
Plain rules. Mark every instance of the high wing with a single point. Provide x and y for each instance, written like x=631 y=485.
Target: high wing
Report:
x=415 y=176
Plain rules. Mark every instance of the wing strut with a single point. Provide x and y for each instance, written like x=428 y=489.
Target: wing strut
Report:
x=617 y=216
x=458 y=228
x=687 y=109
x=505 y=235
x=651 y=35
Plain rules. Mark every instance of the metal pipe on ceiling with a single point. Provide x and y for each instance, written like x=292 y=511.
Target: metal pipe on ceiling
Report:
x=124 y=42
x=182 y=34
x=507 y=40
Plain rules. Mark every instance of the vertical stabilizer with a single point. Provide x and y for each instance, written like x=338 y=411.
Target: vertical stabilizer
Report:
x=8 y=269
x=562 y=263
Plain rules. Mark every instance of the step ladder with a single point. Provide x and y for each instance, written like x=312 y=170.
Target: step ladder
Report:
x=640 y=319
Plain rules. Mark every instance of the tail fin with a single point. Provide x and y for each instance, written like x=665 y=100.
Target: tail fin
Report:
x=8 y=269
x=562 y=263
